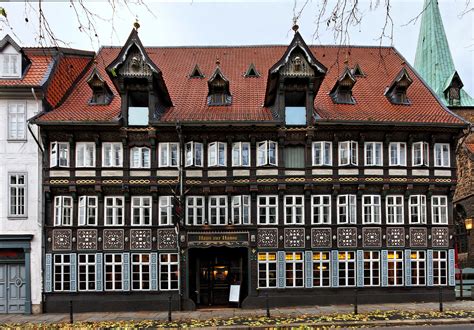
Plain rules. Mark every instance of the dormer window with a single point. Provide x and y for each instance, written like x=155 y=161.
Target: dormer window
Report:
x=357 y=71
x=138 y=108
x=342 y=90
x=196 y=73
x=252 y=72
x=219 y=93
x=101 y=93
x=10 y=65
x=453 y=91
x=295 y=107
x=397 y=91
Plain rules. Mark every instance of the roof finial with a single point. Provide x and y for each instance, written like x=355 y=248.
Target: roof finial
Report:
x=136 y=25
x=218 y=62
x=295 y=26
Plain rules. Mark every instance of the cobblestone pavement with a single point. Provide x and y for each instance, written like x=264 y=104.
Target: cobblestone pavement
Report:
x=203 y=314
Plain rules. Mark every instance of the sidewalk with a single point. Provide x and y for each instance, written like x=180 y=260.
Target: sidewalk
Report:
x=294 y=314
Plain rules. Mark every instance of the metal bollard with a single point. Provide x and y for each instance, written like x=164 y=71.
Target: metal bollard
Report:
x=440 y=298
x=267 y=304
x=460 y=284
x=71 y=313
x=169 y=308
x=356 y=311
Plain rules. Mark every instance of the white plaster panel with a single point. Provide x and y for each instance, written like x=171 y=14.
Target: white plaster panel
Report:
x=241 y=173
x=349 y=171
x=442 y=173
x=214 y=174
x=267 y=172
x=85 y=173
x=112 y=173
x=194 y=173
x=373 y=171
x=397 y=172
x=56 y=173
x=420 y=172
x=167 y=173
x=140 y=173
x=293 y=172
x=322 y=171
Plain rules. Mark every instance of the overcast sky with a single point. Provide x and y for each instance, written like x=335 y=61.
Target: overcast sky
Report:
x=198 y=22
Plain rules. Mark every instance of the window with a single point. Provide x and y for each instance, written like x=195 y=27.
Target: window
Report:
x=295 y=107
x=440 y=268
x=111 y=154
x=169 y=271
x=394 y=205
x=417 y=209
x=320 y=209
x=439 y=210
x=85 y=154
x=373 y=154
x=371 y=209
x=348 y=153
x=217 y=154
x=140 y=157
x=193 y=153
x=241 y=210
x=321 y=269
x=17 y=121
x=347 y=270
x=88 y=211
x=267 y=270
x=113 y=272
x=294 y=210
x=168 y=154
x=114 y=211
x=141 y=211
x=346 y=209
x=62 y=272
x=267 y=207
x=294 y=269
x=267 y=153
x=86 y=272
x=63 y=211
x=395 y=268
x=371 y=268
x=165 y=207
x=241 y=154
x=11 y=65
x=420 y=154
x=398 y=154
x=418 y=268
x=218 y=210
x=138 y=108
x=195 y=210
x=294 y=157
x=59 y=154
x=322 y=153
x=141 y=271
x=17 y=202
x=441 y=154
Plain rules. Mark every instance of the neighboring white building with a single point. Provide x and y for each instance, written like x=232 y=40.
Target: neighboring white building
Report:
x=27 y=87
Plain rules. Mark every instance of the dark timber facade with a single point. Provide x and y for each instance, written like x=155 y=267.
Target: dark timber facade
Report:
x=286 y=170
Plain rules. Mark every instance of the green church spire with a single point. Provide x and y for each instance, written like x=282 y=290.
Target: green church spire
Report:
x=433 y=58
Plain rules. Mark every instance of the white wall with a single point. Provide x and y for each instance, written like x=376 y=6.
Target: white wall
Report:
x=25 y=157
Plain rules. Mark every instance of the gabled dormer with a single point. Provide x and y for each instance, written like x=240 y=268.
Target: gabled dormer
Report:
x=196 y=73
x=219 y=89
x=252 y=72
x=140 y=83
x=357 y=71
x=293 y=83
x=13 y=61
x=342 y=90
x=101 y=93
x=397 y=91
x=452 y=91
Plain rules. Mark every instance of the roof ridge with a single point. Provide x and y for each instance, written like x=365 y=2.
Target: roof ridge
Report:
x=250 y=46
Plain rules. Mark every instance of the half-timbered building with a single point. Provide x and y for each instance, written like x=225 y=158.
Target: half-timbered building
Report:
x=298 y=173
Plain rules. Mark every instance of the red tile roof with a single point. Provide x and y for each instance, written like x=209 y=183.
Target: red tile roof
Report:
x=37 y=73
x=380 y=65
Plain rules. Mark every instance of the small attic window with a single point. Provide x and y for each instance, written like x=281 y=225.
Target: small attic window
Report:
x=252 y=72
x=357 y=71
x=342 y=91
x=196 y=73
x=453 y=91
x=397 y=91
x=10 y=62
x=219 y=92
x=101 y=93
